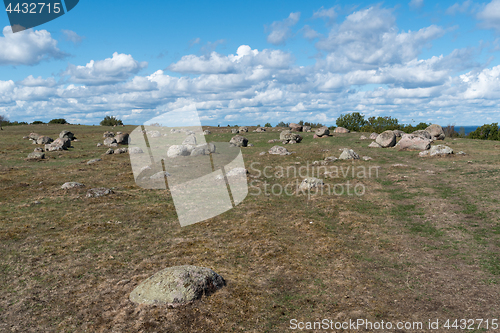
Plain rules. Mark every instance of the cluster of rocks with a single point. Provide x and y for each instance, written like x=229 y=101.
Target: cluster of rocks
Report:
x=299 y=128
x=63 y=142
x=242 y=129
x=112 y=140
x=91 y=193
x=189 y=147
x=288 y=137
x=418 y=140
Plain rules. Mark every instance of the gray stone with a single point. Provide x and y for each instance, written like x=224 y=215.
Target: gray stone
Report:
x=122 y=139
x=260 y=129
x=238 y=141
x=373 y=136
x=330 y=158
x=36 y=156
x=414 y=142
x=306 y=128
x=175 y=286
x=278 y=150
x=109 y=141
x=70 y=185
x=121 y=151
x=288 y=136
x=51 y=147
x=177 y=150
x=423 y=133
x=34 y=136
x=436 y=132
x=108 y=134
x=243 y=129
x=98 y=192
x=367 y=158
x=386 y=139
x=234 y=131
x=322 y=131
x=461 y=153
x=95 y=160
x=262 y=153
x=309 y=183
x=348 y=154
x=374 y=144
x=43 y=140
x=440 y=150
x=110 y=151
x=67 y=135
x=189 y=140
x=135 y=150
x=363 y=137
x=203 y=149
x=38 y=150
x=99 y=144
x=206 y=132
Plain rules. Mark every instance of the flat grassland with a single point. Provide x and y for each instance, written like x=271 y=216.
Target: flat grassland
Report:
x=421 y=243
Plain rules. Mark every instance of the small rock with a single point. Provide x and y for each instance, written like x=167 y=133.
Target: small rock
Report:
x=38 y=150
x=98 y=192
x=330 y=158
x=278 y=150
x=99 y=144
x=135 y=150
x=121 y=151
x=238 y=141
x=440 y=150
x=110 y=151
x=109 y=141
x=69 y=185
x=310 y=183
x=95 y=160
x=206 y=132
x=243 y=129
x=322 y=131
x=234 y=131
x=177 y=150
x=461 y=153
x=108 y=134
x=262 y=153
x=43 y=140
x=36 y=156
x=363 y=137
x=341 y=130
x=367 y=158
x=348 y=154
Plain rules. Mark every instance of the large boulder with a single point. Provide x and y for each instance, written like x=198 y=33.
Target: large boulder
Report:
x=436 y=132
x=190 y=140
x=203 y=149
x=295 y=127
x=175 y=286
x=386 y=139
x=243 y=129
x=177 y=150
x=322 y=131
x=34 y=136
x=67 y=135
x=374 y=144
x=306 y=128
x=399 y=133
x=51 y=147
x=373 y=136
x=287 y=136
x=341 y=130
x=278 y=150
x=414 y=142
x=234 y=131
x=348 y=154
x=122 y=139
x=260 y=129
x=238 y=141
x=63 y=142
x=423 y=133
x=43 y=140
x=109 y=141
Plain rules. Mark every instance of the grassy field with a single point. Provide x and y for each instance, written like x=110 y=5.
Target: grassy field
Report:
x=421 y=243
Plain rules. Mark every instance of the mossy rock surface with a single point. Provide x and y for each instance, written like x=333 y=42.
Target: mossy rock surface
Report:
x=177 y=285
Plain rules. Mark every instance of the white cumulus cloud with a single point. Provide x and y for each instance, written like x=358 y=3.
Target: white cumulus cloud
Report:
x=281 y=31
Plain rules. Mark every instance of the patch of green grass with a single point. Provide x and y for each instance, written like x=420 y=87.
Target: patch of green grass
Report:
x=425 y=229
x=491 y=263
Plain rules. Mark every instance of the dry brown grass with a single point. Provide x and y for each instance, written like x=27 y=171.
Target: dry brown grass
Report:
x=418 y=245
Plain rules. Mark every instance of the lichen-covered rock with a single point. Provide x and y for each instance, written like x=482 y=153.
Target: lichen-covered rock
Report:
x=109 y=141
x=414 y=142
x=175 y=286
x=108 y=134
x=348 y=154
x=36 y=156
x=287 y=136
x=278 y=150
x=238 y=141
x=243 y=129
x=43 y=140
x=436 y=132
x=322 y=131
x=309 y=183
x=440 y=150
x=423 y=133
x=386 y=139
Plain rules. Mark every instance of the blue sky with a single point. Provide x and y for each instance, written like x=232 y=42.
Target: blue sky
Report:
x=257 y=62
